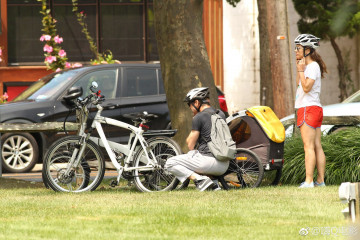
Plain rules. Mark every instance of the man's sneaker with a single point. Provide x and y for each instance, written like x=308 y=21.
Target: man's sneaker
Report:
x=307 y=185
x=216 y=186
x=203 y=184
x=316 y=184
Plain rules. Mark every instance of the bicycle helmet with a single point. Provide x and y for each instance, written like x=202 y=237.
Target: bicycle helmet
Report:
x=197 y=94
x=307 y=40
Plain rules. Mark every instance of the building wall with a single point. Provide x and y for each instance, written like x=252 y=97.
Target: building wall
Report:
x=213 y=36
x=241 y=57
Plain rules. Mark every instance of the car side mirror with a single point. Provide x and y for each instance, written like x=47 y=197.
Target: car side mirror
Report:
x=73 y=93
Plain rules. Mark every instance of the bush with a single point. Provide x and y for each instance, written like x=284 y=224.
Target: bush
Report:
x=342 y=151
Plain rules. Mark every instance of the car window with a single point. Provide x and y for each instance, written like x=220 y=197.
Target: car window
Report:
x=141 y=82
x=106 y=79
x=46 y=87
x=161 y=83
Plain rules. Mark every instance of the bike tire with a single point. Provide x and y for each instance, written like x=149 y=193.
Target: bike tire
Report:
x=85 y=177
x=156 y=179
x=245 y=171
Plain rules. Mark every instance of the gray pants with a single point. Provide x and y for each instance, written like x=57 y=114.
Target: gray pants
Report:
x=183 y=166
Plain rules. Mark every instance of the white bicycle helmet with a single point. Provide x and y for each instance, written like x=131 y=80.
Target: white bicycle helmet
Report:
x=307 y=40
x=197 y=94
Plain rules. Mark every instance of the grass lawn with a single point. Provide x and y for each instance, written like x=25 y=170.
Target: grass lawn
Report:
x=124 y=213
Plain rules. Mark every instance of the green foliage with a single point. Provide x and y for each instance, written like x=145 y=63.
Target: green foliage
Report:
x=328 y=18
x=342 y=151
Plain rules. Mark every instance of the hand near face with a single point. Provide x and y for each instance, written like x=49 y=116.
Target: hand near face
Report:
x=300 y=65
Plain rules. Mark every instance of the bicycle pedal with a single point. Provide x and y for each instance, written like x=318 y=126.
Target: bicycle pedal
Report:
x=113 y=183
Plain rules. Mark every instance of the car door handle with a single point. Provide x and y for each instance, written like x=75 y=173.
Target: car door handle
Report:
x=111 y=106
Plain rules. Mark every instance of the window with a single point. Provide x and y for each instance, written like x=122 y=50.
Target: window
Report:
x=24 y=31
x=141 y=82
x=106 y=79
x=240 y=130
x=125 y=27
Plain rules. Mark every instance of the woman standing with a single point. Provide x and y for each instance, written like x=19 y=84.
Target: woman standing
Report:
x=310 y=70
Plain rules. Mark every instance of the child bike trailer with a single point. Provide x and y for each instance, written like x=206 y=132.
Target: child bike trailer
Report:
x=259 y=136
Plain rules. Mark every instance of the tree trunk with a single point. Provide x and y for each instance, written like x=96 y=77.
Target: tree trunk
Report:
x=266 y=93
x=275 y=60
x=341 y=70
x=183 y=58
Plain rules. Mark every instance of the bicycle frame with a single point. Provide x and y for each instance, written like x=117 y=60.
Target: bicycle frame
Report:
x=129 y=150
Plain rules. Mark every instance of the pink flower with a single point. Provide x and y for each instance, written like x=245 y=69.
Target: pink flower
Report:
x=62 y=53
x=75 y=65
x=6 y=96
x=58 y=39
x=0 y=59
x=50 y=59
x=0 y=51
x=48 y=48
x=68 y=65
x=45 y=38
x=58 y=70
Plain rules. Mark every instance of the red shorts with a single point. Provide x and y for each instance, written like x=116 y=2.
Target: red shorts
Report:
x=312 y=116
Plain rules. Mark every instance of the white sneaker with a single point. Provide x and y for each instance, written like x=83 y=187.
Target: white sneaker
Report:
x=307 y=185
x=203 y=184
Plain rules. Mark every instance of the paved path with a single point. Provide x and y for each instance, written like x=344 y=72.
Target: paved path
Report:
x=35 y=174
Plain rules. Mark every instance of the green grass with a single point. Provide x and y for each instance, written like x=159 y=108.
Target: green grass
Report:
x=124 y=213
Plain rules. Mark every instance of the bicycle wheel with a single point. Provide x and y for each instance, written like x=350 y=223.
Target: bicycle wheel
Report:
x=156 y=179
x=245 y=171
x=85 y=177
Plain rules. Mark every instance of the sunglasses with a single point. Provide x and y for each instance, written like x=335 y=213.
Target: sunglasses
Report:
x=298 y=48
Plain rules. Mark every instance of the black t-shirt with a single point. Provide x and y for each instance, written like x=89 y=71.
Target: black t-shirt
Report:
x=202 y=123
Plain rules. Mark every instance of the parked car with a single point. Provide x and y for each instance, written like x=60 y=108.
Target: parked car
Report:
x=128 y=88
x=348 y=107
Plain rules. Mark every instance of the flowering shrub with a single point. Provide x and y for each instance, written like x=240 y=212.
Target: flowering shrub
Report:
x=4 y=98
x=52 y=47
x=55 y=56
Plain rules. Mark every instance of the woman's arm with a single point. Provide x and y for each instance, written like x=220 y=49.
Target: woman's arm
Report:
x=306 y=83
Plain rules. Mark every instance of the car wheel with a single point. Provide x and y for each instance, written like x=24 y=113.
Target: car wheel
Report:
x=339 y=129
x=20 y=152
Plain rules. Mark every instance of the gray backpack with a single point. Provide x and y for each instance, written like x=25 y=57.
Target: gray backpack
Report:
x=221 y=144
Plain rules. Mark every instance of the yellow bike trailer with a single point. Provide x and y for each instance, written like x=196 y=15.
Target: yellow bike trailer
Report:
x=259 y=130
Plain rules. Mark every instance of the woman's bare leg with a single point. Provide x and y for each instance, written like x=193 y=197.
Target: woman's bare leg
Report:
x=308 y=135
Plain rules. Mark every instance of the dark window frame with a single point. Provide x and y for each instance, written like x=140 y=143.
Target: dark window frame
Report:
x=149 y=52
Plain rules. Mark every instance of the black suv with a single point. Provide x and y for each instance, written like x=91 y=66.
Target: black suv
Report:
x=128 y=88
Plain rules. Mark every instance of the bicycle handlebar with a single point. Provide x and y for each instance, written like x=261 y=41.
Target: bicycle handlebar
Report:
x=94 y=98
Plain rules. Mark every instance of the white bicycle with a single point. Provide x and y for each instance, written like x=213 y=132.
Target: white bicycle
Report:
x=76 y=163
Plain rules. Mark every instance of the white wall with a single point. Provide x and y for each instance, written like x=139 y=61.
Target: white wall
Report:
x=241 y=57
